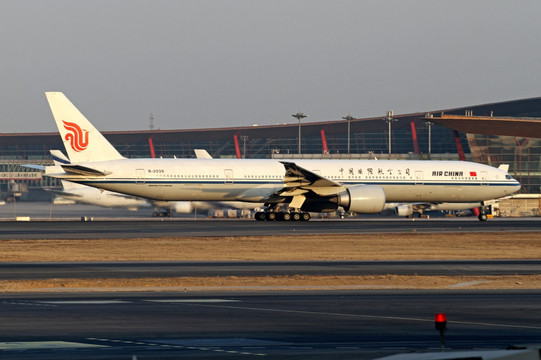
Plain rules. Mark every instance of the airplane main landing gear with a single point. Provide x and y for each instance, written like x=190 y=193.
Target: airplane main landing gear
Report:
x=162 y=213
x=282 y=216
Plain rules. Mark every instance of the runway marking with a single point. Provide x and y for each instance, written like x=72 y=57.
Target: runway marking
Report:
x=27 y=303
x=165 y=344
x=85 y=302
x=464 y=284
x=39 y=345
x=195 y=301
x=364 y=316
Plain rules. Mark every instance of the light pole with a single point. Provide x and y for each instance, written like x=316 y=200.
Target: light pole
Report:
x=348 y=118
x=389 y=120
x=299 y=117
x=429 y=124
x=244 y=138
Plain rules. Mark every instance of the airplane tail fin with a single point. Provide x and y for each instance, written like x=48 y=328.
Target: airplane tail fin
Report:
x=83 y=142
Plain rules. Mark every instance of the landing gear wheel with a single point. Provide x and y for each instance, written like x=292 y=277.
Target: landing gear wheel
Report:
x=270 y=216
x=482 y=217
x=285 y=216
x=483 y=213
x=305 y=216
x=295 y=216
x=259 y=216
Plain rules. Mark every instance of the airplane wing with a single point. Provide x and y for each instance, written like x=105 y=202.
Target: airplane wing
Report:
x=62 y=193
x=301 y=183
x=407 y=209
x=123 y=196
x=77 y=194
x=297 y=176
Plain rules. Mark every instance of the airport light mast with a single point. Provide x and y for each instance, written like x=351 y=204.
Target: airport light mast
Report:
x=389 y=121
x=429 y=124
x=151 y=121
x=299 y=116
x=348 y=118
x=244 y=138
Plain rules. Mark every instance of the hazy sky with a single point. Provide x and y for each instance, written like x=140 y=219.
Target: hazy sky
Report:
x=197 y=64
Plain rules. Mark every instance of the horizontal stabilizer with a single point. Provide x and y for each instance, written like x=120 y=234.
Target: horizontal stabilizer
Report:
x=35 y=167
x=83 y=170
x=59 y=157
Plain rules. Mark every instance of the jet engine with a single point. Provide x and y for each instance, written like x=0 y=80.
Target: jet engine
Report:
x=362 y=199
x=182 y=207
x=318 y=205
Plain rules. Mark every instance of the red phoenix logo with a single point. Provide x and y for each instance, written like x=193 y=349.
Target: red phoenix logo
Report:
x=77 y=137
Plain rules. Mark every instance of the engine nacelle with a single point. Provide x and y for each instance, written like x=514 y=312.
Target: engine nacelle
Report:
x=311 y=205
x=362 y=199
x=404 y=210
x=182 y=207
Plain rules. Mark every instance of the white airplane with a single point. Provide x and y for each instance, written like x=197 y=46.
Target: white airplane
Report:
x=105 y=198
x=89 y=195
x=408 y=209
x=303 y=186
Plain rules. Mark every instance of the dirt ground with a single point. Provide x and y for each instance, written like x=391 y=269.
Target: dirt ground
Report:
x=411 y=246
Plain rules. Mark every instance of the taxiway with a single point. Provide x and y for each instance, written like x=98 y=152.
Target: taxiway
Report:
x=164 y=269
x=314 y=325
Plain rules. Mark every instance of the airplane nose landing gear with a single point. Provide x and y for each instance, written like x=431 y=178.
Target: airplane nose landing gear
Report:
x=483 y=213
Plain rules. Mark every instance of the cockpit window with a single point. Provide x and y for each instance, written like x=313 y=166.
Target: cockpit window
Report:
x=508 y=177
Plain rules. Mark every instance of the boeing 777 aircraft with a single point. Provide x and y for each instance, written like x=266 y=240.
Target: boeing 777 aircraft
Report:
x=290 y=189
x=93 y=196
x=111 y=199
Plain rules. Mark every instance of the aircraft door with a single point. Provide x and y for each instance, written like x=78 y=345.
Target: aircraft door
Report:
x=419 y=178
x=228 y=173
x=140 y=176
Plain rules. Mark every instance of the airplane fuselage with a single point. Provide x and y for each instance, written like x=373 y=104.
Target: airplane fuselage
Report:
x=253 y=180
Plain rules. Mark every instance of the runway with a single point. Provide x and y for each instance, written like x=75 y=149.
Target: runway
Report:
x=110 y=229
x=316 y=325
x=120 y=223
x=359 y=324
x=127 y=270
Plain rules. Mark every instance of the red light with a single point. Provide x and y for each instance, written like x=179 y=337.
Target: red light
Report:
x=441 y=324
x=440 y=318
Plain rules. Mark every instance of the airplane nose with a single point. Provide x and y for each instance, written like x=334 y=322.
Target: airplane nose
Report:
x=515 y=187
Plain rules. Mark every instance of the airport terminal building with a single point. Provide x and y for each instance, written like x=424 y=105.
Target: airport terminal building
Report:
x=498 y=133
